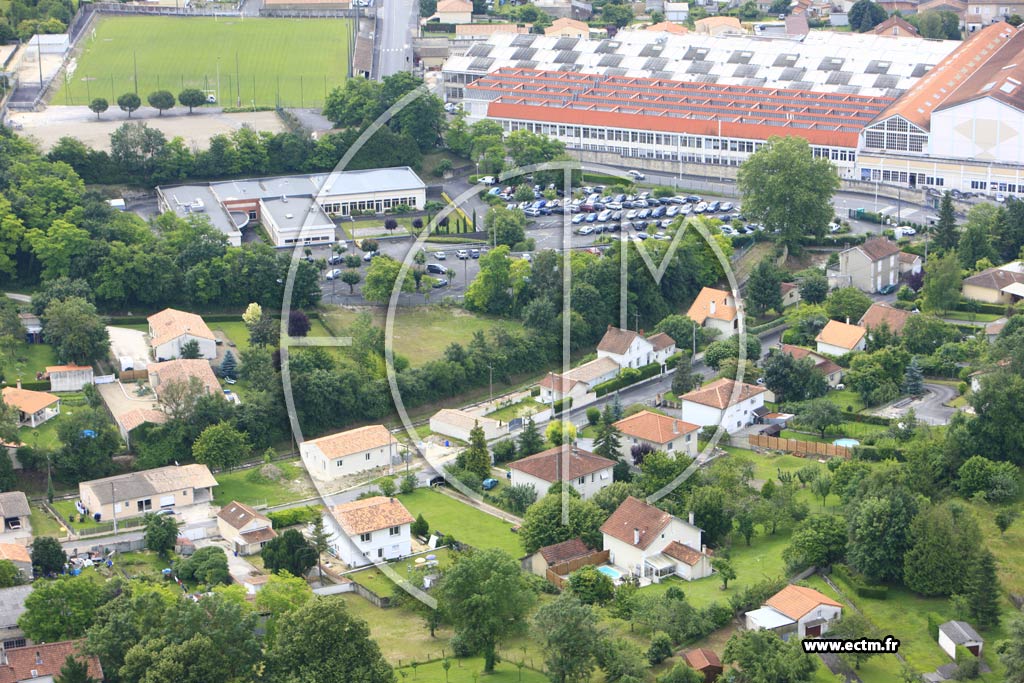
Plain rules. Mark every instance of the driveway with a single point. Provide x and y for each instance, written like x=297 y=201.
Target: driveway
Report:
x=930 y=408
x=238 y=566
x=130 y=343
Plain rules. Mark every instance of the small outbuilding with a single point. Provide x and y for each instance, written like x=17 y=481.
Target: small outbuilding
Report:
x=954 y=633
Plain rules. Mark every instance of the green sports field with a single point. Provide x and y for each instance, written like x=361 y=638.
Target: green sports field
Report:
x=293 y=62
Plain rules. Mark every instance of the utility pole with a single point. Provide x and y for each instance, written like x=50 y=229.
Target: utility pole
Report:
x=113 y=506
x=490 y=383
x=238 y=81
x=135 y=66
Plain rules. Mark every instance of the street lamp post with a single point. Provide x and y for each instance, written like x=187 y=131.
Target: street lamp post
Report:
x=490 y=383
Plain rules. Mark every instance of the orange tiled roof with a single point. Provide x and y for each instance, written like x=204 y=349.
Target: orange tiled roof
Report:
x=702 y=658
x=668 y=27
x=714 y=22
x=636 y=514
x=878 y=313
x=487 y=29
x=653 y=427
x=170 y=323
x=45 y=659
x=15 y=553
x=183 y=370
x=133 y=419
x=661 y=341
x=719 y=393
x=825 y=365
x=564 y=551
x=454 y=6
x=796 y=601
x=565 y=22
x=371 y=514
x=839 y=334
x=66 y=368
x=895 y=25
x=700 y=309
x=342 y=444
x=617 y=340
x=26 y=400
x=938 y=86
x=683 y=553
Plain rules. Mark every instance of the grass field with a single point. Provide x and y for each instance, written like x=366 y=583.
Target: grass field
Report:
x=422 y=333
x=465 y=523
x=381 y=584
x=25 y=361
x=245 y=487
x=293 y=61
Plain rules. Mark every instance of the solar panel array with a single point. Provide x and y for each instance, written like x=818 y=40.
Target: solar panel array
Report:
x=822 y=61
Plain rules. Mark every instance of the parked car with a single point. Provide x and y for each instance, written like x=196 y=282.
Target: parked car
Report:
x=578 y=218
x=440 y=255
x=726 y=206
x=642 y=235
x=436 y=269
x=604 y=216
x=636 y=175
x=585 y=230
x=591 y=218
x=440 y=282
x=487 y=180
x=333 y=274
x=489 y=484
x=474 y=253
x=888 y=289
x=462 y=254
x=532 y=212
x=370 y=255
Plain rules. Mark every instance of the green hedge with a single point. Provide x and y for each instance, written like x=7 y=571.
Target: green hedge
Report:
x=867 y=419
x=561 y=404
x=43 y=385
x=628 y=377
x=293 y=516
x=758 y=329
x=966 y=306
x=934 y=621
x=535 y=392
x=438 y=27
x=875 y=592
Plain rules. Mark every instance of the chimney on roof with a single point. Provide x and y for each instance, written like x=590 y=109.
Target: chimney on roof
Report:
x=675 y=426
x=19 y=383
x=711 y=308
x=691 y=517
x=636 y=536
x=847 y=320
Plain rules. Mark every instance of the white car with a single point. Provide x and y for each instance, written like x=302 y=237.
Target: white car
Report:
x=585 y=230
x=635 y=175
x=334 y=274
x=487 y=180
x=440 y=255
x=904 y=231
x=462 y=254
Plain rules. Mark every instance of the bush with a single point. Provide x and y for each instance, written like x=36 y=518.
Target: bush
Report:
x=764 y=327
x=627 y=377
x=293 y=516
x=660 y=649
x=934 y=621
x=420 y=526
x=593 y=416
x=856 y=582
x=561 y=404
x=461 y=647
x=535 y=392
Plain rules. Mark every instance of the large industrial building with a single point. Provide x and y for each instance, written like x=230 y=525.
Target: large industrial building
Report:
x=295 y=209
x=896 y=110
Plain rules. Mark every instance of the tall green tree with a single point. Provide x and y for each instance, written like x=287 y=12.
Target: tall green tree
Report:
x=928 y=566
x=975 y=242
x=763 y=287
x=569 y=633
x=913 y=378
x=129 y=102
x=221 y=446
x=879 y=529
x=60 y=609
x=942 y=282
x=321 y=642
x=289 y=552
x=381 y=278
x=608 y=443
x=1011 y=652
x=476 y=458
x=490 y=291
x=982 y=590
x=76 y=331
x=818 y=541
x=504 y=226
x=282 y=593
x=48 y=556
x=74 y=670
x=161 y=534
x=89 y=442
x=814 y=287
x=487 y=598
x=847 y=304
x=788 y=189
x=191 y=98
x=946 y=234
x=819 y=415
x=542 y=525
x=854 y=626
x=161 y=100
x=763 y=657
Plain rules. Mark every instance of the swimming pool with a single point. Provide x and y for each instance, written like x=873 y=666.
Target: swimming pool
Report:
x=611 y=572
x=848 y=443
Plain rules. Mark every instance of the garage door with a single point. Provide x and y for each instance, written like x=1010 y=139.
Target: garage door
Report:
x=813 y=631
x=166 y=501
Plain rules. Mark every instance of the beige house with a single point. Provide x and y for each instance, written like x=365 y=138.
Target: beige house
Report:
x=454 y=12
x=171 y=329
x=568 y=28
x=660 y=432
x=584 y=471
x=162 y=375
x=137 y=493
x=718 y=26
x=346 y=453
x=910 y=263
x=649 y=543
x=869 y=266
x=715 y=309
x=838 y=339
x=999 y=285
x=669 y=26
x=457 y=424
x=724 y=402
x=34 y=407
x=69 y=377
x=244 y=528
x=790 y=293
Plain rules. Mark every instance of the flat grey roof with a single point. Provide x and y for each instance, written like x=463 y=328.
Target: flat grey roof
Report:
x=297 y=212
x=371 y=180
x=200 y=200
x=12 y=604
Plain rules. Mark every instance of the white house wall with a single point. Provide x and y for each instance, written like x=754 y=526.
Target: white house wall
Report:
x=325 y=469
x=172 y=349
x=381 y=546
x=736 y=416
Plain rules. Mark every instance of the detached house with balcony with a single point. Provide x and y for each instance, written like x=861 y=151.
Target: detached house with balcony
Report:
x=34 y=407
x=370 y=530
x=651 y=544
x=584 y=471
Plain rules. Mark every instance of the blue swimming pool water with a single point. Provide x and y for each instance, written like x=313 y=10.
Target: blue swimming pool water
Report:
x=848 y=443
x=611 y=572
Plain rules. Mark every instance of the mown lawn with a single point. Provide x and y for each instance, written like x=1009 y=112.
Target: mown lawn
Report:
x=401 y=634
x=527 y=406
x=43 y=524
x=143 y=563
x=25 y=361
x=66 y=509
x=471 y=671
x=464 y=522
x=377 y=581
x=845 y=399
x=44 y=436
x=422 y=333
x=247 y=486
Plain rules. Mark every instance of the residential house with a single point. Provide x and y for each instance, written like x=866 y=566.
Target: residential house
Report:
x=245 y=529
x=454 y=12
x=578 y=382
x=137 y=493
x=660 y=432
x=34 y=407
x=723 y=402
x=662 y=346
x=802 y=611
x=828 y=367
x=897 y=27
x=69 y=377
x=994 y=328
x=15 y=511
x=171 y=329
x=163 y=375
x=715 y=309
x=954 y=633
x=12 y=606
x=568 y=28
x=42 y=663
x=910 y=264
x=718 y=26
x=584 y=471
x=790 y=293
x=627 y=348
x=1000 y=285
x=981 y=13
x=677 y=11
x=904 y=7
x=577 y=9
x=705 y=661
x=32 y=326
x=350 y=452
x=884 y=314
x=837 y=339
x=539 y=562
x=19 y=556
x=370 y=530
x=668 y=26
x=650 y=543
x=869 y=267
x=130 y=420
x=458 y=424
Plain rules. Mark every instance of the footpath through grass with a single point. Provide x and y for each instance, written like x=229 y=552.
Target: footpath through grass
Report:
x=464 y=522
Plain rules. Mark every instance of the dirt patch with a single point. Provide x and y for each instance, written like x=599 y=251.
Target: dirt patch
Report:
x=53 y=123
x=271 y=472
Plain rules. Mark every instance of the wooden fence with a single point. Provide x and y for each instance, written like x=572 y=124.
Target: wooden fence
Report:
x=556 y=573
x=799 y=447
x=133 y=375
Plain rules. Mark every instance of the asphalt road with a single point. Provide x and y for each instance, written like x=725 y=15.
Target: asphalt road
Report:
x=394 y=42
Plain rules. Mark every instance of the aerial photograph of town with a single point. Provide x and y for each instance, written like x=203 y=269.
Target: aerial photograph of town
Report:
x=511 y=341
